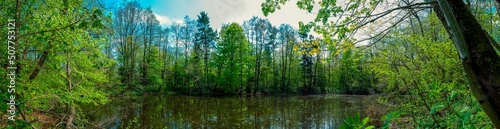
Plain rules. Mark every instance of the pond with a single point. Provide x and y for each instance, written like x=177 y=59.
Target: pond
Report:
x=273 y=112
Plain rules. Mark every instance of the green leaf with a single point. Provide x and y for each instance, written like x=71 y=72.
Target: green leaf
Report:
x=65 y=2
x=365 y=120
x=453 y=95
x=436 y=107
x=353 y=6
x=83 y=24
x=357 y=118
x=343 y=126
x=97 y=24
x=98 y=12
x=347 y=122
x=370 y=127
x=465 y=117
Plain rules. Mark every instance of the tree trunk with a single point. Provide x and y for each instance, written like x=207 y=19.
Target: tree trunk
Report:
x=70 y=87
x=71 y=117
x=479 y=59
x=41 y=62
x=497 y=4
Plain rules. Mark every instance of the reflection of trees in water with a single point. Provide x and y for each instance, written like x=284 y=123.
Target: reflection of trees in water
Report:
x=212 y=112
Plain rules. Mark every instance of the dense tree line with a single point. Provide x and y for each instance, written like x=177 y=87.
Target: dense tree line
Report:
x=193 y=58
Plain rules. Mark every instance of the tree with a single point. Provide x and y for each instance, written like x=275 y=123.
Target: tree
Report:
x=175 y=28
x=187 y=35
x=59 y=62
x=269 y=56
x=308 y=48
x=149 y=29
x=204 y=38
x=259 y=31
x=165 y=55
x=476 y=48
x=126 y=25
x=231 y=58
x=286 y=38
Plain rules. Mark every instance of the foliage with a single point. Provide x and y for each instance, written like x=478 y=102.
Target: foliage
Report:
x=231 y=57
x=61 y=64
x=77 y=54
x=389 y=118
x=355 y=122
x=412 y=58
x=422 y=66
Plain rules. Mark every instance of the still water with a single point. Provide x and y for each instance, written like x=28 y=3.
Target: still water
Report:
x=175 y=111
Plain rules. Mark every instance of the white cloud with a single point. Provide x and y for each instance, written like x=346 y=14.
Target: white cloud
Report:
x=165 y=20
x=179 y=21
x=226 y=11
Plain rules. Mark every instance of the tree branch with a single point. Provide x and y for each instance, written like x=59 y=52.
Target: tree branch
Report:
x=52 y=30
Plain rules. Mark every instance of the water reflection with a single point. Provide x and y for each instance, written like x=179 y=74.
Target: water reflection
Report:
x=160 y=111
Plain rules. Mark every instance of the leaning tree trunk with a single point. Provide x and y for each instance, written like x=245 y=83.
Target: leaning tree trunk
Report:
x=497 y=4
x=478 y=57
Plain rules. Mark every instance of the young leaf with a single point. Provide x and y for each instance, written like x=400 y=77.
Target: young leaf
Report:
x=365 y=121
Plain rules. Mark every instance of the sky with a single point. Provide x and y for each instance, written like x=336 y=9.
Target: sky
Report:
x=228 y=11
x=222 y=11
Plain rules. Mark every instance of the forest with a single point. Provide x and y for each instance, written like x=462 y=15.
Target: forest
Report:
x=431 y=63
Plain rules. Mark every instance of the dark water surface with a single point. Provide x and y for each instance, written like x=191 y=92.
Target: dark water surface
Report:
x=175 y=111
